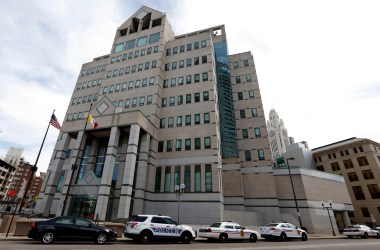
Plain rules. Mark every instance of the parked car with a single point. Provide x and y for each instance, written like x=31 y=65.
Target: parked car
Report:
x=70 y=228
x=376 y=228
x=283 y=231
x=146 y=228
x=228 y=230
x=362 y=231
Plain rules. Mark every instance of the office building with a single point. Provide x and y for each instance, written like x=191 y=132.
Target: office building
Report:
x=278 y=135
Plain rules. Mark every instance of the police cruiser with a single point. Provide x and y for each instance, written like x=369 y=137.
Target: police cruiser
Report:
x=146 y=228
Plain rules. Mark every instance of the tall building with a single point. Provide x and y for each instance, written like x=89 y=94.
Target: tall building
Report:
x=278 y=135
x=14 y=155
x=6 y=172
x=358 y=161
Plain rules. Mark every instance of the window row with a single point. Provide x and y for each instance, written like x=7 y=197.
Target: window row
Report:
x=89 y=84
x=342 y=153
x=134 y=101
x=260 y=155
x=372 y=188
x=188 y=99
x=187 y=121
x=256 y=132
x=367 y=175
x=240 y=95
x=168 y=179
x=128 y=85
x=181 y=64
x=187 y=146
x=248 y=78
x=189 y=47
x=84 y=99
x=93 y=70
x=243 y=115
x=189 y=79
x=236 y=64
x=133 y=69
x=134 y=54
x=141 y=41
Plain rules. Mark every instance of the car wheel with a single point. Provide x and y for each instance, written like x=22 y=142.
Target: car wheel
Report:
x=378 y=235
x=186 y=238
x=47 y=237
x=101 y=238
x=365 y=236
x=283 y=237
x=145 y=237
x=253 y=237
x=223 y=238
x=304 y=237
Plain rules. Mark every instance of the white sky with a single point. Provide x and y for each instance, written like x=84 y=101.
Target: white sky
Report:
x=317 y=62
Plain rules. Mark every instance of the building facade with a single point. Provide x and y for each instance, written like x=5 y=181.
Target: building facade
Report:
x=170 y=110
x=278 y=134
x=6 y=173
x=358 y=161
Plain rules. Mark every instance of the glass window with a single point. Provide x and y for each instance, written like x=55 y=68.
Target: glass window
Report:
x=247 y=154
x=197 y=178
x=130 y=44
x=197 y=143
x=187 y=178
x=204 y=59
x=257 y=132
x=179 y=100
x=208 y=178
x=242 y=113
x=203 y=44
x=167 y=180
x=196 y=45
x=374 y=191
x=134 y=102
x=144 y=82
x=149 y=100
x=205 y=76
x=181 y=64
x=115 y=73
x=118 y=58
x=188 y=62
x=180 y=81
x=147 y=65
x=244 y=133
x=155 y=49
x=358 y=192
x=188 y=47
x=142 y=101
x=175 y=50
x=197 y=97
x=352 y=176
x=127 y=69
x=236 y=65
x=154 y=37
x=261 y=155
x=240 y=95
x=130 y=85
x=142 y=53
x=141 y=41
x=60 y=181
x=205 y=96
x=149 y=51
x=160 y=146
x=196 y=60
x=117 y=88
x=133 y=69
x=197 y=119
x=182 y=49
x=188 y=98
x=173 y=82
x=188 y=144
x=111 y=89
x=120 y=103
x=163 y=102
x=254 y=112
x=174 y=65
x=248 y=78
x=130 y=55
x=157 y=183
x=167 y=66
x=162 y=123
x=246 y=63
x=151 y=80
x=140 y=68
x=172 y=101
x=237 y=79
x=137 y=84
x=367 y=174
x=362 y=161
x=178 y=145
x=188 y=120
x=171 y=122
x=168 y=52
x=179 y=121
x=251 y=94
x=169 y=146
x=207 y=142
x=188 y=79
x=113 y=60
x=196 y=78
x=127 y=103
x=206 y=117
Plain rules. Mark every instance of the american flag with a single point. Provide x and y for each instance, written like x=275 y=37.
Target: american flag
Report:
x=54 y=122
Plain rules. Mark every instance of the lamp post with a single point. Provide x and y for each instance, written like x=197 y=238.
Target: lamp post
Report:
x=294 y=193
x=328 y=212
x=179 y=190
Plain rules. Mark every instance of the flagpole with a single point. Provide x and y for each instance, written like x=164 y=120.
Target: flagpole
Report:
x=74 y=166
x=34 y=169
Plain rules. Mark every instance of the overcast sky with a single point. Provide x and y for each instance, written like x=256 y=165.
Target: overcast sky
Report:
x=318 y=62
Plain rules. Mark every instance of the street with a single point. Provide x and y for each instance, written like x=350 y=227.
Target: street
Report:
x=332 y=244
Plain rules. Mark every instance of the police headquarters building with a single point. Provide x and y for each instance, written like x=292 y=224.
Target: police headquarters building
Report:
x=170 y=110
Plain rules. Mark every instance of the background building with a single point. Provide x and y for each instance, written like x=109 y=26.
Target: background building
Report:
x=6 y=172
x=278 y=135
x=358 y=161
x=14 y=155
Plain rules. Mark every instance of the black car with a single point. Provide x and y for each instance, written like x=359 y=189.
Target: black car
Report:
x=70 y=228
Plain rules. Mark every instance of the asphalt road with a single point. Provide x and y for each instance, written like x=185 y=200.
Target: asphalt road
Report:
x=332 y=244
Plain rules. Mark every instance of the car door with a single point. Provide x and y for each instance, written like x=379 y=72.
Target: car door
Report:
x=293 y=232
x=161 y=228
x=65 y=227
x=231 y=231
x=85 y=229
x=241 y=233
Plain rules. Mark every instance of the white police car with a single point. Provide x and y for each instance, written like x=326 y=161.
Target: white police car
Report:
x=283 y=231
x=228 y=230
x=145 y=228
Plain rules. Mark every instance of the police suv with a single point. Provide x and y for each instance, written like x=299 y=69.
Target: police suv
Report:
x=145 y=228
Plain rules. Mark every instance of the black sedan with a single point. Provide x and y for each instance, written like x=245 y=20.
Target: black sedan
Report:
x=70 y=228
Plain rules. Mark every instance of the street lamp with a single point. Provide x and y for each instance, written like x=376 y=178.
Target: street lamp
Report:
x=179 y=190
x=328 y=212
x=294 y=193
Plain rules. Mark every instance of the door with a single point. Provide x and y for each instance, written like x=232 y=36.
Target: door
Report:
x=65 y=227
x=85 y=229
x=163 y=227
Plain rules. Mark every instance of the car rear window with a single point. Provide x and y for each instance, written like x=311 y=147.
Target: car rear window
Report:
x=215 y=225
x=139 y=218
x=272 y=225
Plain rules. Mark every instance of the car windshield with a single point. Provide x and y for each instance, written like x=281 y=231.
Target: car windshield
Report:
x=216 y=225
x=238 y=227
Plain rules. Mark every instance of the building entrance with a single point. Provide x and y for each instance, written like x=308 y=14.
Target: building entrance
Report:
x=83 y=206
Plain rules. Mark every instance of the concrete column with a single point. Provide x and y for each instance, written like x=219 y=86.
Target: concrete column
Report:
x=54 y=171
x=346 y=219
x=141 y=176
x=106 y=179
x=77 y=152
x=129 y=172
